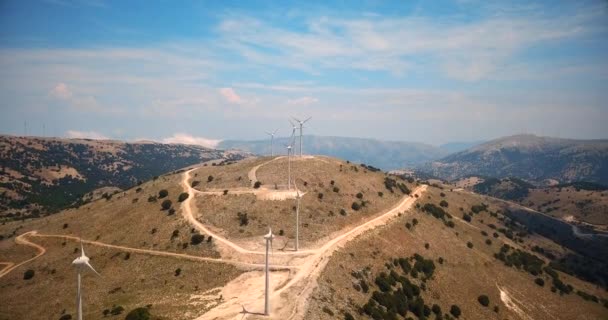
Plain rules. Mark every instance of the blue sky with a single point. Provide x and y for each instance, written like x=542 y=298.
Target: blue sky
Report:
x=426 y=71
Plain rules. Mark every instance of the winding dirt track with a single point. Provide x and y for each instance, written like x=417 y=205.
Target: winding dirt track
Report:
x=292 y=281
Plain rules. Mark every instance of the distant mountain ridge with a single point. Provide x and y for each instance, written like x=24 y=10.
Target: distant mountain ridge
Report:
x=387 y=155
x=46 y=174
x=528 y=157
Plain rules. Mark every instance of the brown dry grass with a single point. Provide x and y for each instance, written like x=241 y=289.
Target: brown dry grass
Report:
x=583 y=205
x=318 y=217
x=139 y=281
x=465 y=274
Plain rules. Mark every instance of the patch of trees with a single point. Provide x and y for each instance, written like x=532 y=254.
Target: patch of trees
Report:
x=391 y=184
x=370 y=168
x=520 y=260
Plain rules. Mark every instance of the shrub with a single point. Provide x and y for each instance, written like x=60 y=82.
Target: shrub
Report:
x=336 y=189
x=488 y=242
x=414 y=221
x=455 y=311
x=484 y=300
x=470 y=245
x=343 y=212
x=440 y=260
x=152 y=199
x=195 y=183
x=427 y=245
x=175 y=234
x=450 y=224
x=257 y=185
x=243 y=219
x=380 y=194
x=466 y=217
x=359 y=195
x=332 y=182
x=183 y=196
x=443 y=203
x=540 y=282
x=197 y=239
x=348 y=316
x=320 y=196
x=65 y=225
x=28 y=274
x=209 y=239
x=69 y=316
x=436 y=309
x=166 y=204
x=139 y=314
x=408 y=225
x=209 y=179
x=327 y=310
x=116 y=310
x=442 y=195
x=356 y=206
x=171 y=212
x=178 y=271
x=225 y=192
x=163 y=193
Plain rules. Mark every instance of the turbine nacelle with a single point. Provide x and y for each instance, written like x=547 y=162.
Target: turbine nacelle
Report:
x=83 y=261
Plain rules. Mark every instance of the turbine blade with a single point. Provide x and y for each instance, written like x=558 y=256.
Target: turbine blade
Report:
x=81 y=248
x=307 y=119
x=91 y=267
x=275 y=131
x=293 y=125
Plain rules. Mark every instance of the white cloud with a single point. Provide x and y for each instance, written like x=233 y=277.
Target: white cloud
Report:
x=184 y=138
x=230 y=95
x=303 y=101
x=61 y=91
x=74 y=134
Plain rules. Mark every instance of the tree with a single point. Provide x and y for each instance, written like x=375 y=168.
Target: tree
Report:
x=455 y=311
x=166 y=204
x=163 y=193
x=257 y=185
x=359 y=195
x=470 y=245
x=320 y=196
x=356 y=206
x=178 y=271
x=336 y=189
x=484 y=300
x=28 y=274
x=183 y=196
x=197 y=239
x=139 y=314
x=539 y=281
x=443 y=203
x=209 y=178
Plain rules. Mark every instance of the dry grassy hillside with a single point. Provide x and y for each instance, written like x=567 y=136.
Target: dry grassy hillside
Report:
x=331 y=188
x=464 y=269
x=571 y=204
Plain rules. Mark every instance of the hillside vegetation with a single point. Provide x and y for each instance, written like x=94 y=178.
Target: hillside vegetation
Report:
x=43 y=175
x=528 y=157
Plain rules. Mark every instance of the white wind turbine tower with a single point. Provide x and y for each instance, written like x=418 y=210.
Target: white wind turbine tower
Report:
x=301 y=126
x=268 y=237
x=81 y=263
x=289 y=150
x=271 y=134
x=298 y=197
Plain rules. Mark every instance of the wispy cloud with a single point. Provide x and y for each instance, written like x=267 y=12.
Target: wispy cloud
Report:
x=230 y=95
x=184 y=138
x=302 y=101
x=75 y=134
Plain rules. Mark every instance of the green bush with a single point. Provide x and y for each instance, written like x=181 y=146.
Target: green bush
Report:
x=28 y=274
x=163 y=193
x=484 y=300
x=197 y=239
x=183 y=196
x=455 y=311
x=540 y=282
x=166 y=204
x=139 y=314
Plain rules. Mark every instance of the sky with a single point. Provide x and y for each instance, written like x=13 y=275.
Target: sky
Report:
x=202 y=71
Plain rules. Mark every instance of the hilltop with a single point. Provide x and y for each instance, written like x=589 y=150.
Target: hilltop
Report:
x=42 y=175
x=528 y=157
x=189 y=245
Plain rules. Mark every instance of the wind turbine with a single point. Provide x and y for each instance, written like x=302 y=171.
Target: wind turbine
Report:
x=298 y=197
x=289 y=151
x=268 y=237
x=293 y=132
x=271 y=139
x=301 y=126
x=80 y=263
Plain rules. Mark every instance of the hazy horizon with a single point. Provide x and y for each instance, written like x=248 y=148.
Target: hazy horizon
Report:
x=434 y=73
